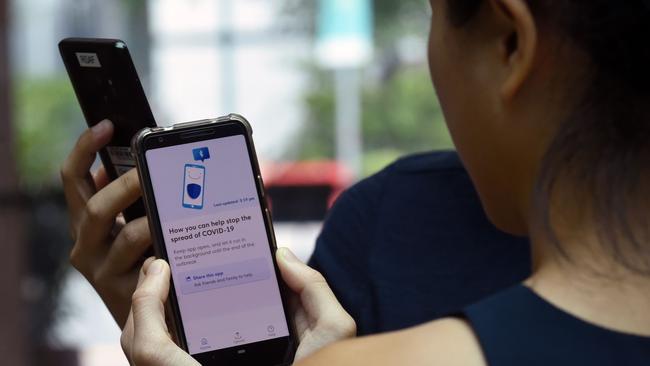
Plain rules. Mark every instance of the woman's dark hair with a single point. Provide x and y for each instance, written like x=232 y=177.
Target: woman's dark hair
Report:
x=603 y=148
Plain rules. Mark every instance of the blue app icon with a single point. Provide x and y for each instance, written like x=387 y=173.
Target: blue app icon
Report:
x=201 y=154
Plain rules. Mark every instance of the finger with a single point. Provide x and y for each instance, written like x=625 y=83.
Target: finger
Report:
x=77 y=182
x=89 y=143
x=130 y=244
x=100 y=177
x=128 y=332
x=314 y=292
x=117 y=195
x=143 y=269
x=321 y=313
x=103 y=208
x=151 y=343
x=148 y=303
x=126 y=340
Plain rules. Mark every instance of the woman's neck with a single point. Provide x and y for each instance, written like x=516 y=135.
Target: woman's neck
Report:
x=596 y=289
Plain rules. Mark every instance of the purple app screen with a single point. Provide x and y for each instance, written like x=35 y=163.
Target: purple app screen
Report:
x=217 y=244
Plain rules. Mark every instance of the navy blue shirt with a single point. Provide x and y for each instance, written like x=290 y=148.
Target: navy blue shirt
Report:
x=517 y=327
x=412 y=244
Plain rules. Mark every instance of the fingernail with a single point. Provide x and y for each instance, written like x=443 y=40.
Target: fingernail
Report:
x=101 y=127
x=148 y=261
x=288 y=255
x=155 y=267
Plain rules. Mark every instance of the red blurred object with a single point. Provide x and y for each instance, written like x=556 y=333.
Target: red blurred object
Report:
x=304 y=190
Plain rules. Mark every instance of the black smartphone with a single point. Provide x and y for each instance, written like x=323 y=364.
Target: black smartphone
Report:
x=210 y=220
x=107 y=86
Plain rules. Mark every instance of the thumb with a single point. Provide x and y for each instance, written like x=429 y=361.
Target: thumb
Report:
x=315 y=294
x=148 y=304
x=152 y=344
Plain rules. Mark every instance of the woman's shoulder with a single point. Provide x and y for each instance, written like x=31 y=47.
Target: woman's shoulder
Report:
x=518 y=326
x=449 y=341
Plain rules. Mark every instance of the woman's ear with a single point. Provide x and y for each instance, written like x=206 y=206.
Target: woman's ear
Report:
x=518 y=43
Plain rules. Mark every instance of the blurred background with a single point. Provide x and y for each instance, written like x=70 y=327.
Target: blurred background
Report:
x=335 y=91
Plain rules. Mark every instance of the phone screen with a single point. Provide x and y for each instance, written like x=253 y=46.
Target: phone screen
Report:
x=217 y=244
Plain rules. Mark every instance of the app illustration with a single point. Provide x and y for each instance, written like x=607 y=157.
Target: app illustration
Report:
x=201 y=154
x=193 y=186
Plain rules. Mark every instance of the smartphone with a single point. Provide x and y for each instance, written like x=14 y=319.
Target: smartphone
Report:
x=210 y=220
x=108 y=87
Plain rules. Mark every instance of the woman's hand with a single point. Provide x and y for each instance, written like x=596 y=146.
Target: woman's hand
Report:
x=106 y=250
x=320 y=319
x=146 y=339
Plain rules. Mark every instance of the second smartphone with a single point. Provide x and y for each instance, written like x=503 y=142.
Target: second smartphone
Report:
x=209 y=219
x=108 y=87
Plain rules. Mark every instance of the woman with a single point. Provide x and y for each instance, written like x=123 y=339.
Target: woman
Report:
x=547 y=102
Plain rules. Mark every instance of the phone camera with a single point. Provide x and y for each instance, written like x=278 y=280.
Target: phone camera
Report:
x=161 y=139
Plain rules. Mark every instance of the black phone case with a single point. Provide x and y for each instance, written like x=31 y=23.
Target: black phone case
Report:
x=107 y=86
x=159 y=243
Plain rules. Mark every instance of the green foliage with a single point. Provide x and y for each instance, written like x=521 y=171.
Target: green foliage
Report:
x=394 y=19
x=45 y=116
x=404 y=114
x=317 y=135
x=400 y=116
x=134 y=6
